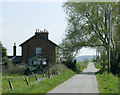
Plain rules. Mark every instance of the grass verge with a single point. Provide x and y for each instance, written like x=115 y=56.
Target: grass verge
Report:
x=98 y=66
x=107 y=83
x=81 y=66
x=43 y=86
x=46 y=85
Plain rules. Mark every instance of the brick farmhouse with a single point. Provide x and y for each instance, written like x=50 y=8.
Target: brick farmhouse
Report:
x=38 y=49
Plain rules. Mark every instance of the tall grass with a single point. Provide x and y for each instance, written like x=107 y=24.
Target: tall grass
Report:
x=42 y=86
x=107 y=83
x=97 y=65
x=81 y=66
x=14 y=69
x=46 y=85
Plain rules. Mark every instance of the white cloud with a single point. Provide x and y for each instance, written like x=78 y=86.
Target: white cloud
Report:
x=86 y=51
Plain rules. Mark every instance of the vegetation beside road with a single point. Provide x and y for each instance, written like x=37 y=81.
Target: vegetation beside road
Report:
x=43 y=86
x=81 y=66
x=107 y=83
x=97 y=65
x=46 y=85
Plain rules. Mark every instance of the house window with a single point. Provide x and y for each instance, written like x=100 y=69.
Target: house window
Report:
x=35 y=62
x=44 y=63
x=38 y=51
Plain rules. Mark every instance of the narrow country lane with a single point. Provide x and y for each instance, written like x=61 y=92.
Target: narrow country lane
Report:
x=85 y=82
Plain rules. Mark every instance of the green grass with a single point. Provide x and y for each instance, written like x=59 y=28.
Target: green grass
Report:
x=107 y=83
x=41 y=87
x=18 y=82
x=81 y=66
x=98 y=66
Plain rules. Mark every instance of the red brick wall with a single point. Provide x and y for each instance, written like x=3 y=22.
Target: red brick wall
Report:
x=29 y=49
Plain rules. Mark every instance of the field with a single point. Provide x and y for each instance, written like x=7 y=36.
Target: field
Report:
x=36 y=87
x=42 y=86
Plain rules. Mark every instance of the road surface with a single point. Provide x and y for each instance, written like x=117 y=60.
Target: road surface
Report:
x=85 y=82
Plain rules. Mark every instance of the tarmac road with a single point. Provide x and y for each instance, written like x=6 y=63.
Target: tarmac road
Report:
x=85 y=82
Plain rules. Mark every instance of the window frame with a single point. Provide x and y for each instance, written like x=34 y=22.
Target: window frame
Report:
x=38 y=50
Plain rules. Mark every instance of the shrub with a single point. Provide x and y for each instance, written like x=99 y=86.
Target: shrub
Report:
x=14 y=69
x=61 y=68
x=71 y=64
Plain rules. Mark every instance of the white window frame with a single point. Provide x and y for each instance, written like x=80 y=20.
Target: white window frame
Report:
x=38 y=51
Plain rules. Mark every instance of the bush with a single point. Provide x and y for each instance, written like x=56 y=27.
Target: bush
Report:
x=52 y=69
x=14 y=69
x=6 y=61
x=107 y=83
x=61 y=68
x=71 y=64
x=98 y=65
x=81 y=66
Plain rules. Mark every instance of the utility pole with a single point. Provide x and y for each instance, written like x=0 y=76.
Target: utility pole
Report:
x=109 y=42
x=96 y=55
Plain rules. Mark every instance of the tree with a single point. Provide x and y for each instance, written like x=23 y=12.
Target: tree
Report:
x=88 y=25
x=3 y=49
x=4 y=57
x=93 y=59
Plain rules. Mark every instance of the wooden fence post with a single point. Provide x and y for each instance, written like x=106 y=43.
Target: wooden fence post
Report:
x=10 y=84
x=43 y=76
x=56 y=71
x=26 y=79
x=52 y=72
x=36 y=77
x=48 y=74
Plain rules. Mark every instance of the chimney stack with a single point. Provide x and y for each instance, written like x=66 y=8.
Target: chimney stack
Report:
x=14 y=49
x=42 y=32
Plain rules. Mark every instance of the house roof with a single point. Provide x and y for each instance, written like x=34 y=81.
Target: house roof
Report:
x=10 y=57
x=38 y=34
x=17 y=59
x=38 y=57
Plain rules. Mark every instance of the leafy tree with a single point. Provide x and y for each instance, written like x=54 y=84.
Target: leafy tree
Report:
x=93 y=59
x=88 y=25
x=3 y=49
x=103 y=59
x=4 y=57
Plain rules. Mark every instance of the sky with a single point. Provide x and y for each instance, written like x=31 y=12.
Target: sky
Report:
x=19 y=20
